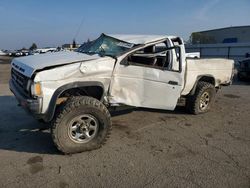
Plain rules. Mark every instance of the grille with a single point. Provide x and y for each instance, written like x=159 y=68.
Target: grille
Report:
x=20 y=80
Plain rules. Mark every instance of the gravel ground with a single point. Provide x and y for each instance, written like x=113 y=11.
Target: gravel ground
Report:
x=147 y=148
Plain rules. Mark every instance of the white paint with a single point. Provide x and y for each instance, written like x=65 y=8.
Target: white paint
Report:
x=125 y=84
x=96 y=70
x=220 y=69
x=32 y=63
x=146 y=87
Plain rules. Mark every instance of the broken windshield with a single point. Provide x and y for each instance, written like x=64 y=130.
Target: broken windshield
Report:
x=105 y=46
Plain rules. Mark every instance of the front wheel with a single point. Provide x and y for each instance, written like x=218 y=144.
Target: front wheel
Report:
x=202 y=99
x=82 y=124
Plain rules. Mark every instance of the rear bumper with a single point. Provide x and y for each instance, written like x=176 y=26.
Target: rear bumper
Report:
x=33 y=106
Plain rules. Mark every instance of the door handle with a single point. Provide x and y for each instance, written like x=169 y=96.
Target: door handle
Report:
x=173 y=82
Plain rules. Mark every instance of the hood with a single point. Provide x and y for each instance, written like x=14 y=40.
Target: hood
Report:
x=28 y=65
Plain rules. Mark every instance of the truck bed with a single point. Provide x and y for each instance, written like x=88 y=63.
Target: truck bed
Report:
x=220 y=69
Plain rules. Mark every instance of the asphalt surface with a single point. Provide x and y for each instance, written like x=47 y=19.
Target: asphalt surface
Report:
x=147 y=148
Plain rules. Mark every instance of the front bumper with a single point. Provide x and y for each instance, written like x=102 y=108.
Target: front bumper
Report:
x=33 y=106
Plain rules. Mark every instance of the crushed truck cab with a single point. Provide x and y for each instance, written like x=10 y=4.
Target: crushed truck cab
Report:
x=74 y=90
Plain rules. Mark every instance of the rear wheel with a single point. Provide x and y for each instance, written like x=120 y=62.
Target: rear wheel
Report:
x=202 y=99
x=82 y=124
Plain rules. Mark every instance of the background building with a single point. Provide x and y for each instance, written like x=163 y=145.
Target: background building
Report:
x=239 y=34
x=229 y=42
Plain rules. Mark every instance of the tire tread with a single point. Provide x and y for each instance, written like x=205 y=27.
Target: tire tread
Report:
x=70 y=104
x=193 y=100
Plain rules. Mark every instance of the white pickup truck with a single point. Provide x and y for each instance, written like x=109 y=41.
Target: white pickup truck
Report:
x=74 y=90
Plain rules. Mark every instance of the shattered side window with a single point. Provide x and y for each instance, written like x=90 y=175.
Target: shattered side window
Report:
x=154 y=56
x=106 y=46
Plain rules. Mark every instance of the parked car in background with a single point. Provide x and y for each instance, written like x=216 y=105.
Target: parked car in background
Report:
x=18 y=53
x=193 y=55
x=11 y=53
x=45 y=50
x=244 y=69
x=15 y=53
x=25 y=52
x=3 y=53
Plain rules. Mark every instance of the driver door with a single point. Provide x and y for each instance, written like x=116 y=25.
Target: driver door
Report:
x=145 y=78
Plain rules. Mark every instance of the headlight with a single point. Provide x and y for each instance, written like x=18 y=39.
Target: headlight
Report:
x=36 y=89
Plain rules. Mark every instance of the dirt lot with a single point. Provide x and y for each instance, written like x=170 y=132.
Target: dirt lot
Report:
x=147 y=148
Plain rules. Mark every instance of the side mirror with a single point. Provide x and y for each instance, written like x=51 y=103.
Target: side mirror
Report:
x=125 y=61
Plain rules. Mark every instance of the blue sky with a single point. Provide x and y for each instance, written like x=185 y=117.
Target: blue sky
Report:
x=55 y=22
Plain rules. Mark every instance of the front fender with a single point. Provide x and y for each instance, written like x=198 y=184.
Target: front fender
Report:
x=52 y=104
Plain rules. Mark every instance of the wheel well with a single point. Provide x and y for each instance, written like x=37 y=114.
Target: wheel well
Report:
x=208 y=79
x=92 y=91
x=62 y=94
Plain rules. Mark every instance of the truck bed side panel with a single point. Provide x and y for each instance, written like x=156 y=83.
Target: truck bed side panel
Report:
x=219 y=69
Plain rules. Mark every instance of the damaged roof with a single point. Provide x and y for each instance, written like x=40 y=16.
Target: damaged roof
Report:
x=138 y=39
